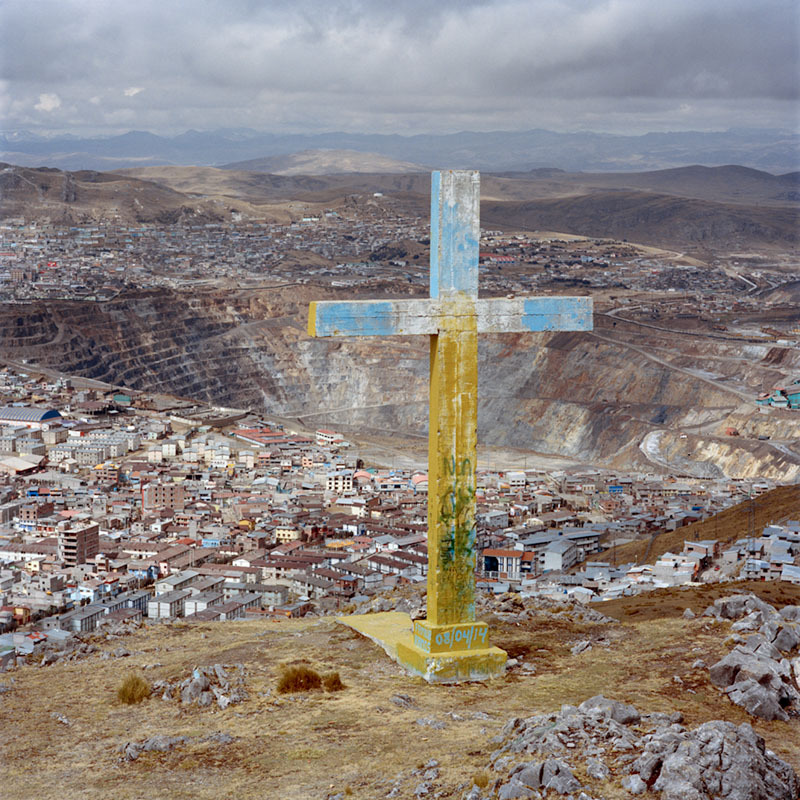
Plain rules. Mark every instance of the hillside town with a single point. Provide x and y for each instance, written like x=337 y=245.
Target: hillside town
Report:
x=118 y=507
x=370 y=240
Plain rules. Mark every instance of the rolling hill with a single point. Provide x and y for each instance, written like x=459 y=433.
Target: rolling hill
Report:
x=326 y=162
x=84 y=197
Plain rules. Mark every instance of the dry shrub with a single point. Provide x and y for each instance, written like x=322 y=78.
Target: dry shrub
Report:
x=332 y=682
x=298 y=678
x=133 y=690
x=481 y=779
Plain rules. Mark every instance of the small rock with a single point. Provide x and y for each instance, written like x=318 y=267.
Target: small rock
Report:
x=597 y=769
x=403 y=700
x=581 y=647
x=634 y=784
x=689 y=614
x=556 y=775
x=515 y=790
x=219 y=737
x=430 y=722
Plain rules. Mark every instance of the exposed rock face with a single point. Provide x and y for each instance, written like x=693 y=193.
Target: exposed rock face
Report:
x=541 y=754
x=585 y=396
x=757 y=674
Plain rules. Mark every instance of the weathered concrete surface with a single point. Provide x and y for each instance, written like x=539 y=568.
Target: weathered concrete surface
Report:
x=393 y=631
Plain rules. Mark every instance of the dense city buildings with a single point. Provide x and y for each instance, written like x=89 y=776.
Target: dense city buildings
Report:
x=246 y=517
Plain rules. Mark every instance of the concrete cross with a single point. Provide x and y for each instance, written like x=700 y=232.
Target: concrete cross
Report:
x=452 y=317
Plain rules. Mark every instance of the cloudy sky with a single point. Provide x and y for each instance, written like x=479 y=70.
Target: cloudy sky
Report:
x=403 y=66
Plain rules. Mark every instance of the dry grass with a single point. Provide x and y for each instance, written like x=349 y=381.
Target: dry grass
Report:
x=481 y=779
x=309 y=744
x=333 y=682
x=298 y=678
x=133 y=690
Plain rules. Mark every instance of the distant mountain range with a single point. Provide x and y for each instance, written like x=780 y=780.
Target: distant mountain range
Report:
x=770 y=150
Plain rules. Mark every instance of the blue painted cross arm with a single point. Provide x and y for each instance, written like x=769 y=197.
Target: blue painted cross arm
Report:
x=408 y=317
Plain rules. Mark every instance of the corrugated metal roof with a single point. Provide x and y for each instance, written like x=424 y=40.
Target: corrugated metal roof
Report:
x=27 y=414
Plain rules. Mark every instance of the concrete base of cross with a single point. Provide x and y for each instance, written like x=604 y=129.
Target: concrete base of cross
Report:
x=439 y=654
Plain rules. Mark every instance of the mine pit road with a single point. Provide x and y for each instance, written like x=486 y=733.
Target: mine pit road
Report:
x=719 y=386
x=615 y=314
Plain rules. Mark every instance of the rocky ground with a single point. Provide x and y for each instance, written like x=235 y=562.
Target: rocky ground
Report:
x=601 y=703
x=582 y=751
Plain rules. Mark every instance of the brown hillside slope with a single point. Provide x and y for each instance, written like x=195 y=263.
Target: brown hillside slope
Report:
x=656 y=219
x=727 y=527
x=87 y=196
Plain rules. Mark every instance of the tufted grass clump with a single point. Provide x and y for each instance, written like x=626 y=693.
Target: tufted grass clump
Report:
x=298 y=678
x=133 y=690
x=332 y=682
x=481 y=779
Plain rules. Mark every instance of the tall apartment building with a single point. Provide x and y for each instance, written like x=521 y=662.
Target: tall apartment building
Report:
x=163 y=495
x=341 y=481
x=78 y=542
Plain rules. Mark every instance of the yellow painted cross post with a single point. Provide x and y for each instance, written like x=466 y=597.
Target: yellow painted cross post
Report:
x=449 y=645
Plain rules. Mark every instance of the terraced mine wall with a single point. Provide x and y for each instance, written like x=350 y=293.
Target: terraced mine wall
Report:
x=592 y=397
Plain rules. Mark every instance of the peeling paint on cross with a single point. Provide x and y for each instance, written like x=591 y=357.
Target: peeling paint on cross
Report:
x=452 y=317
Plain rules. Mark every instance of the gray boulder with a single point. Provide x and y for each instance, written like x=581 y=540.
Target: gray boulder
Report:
x=634 y=784
x=162 y=744
x=728 y=607
x=759 y=644
x=752 y=622
x=515 y=790
x=787 y=638
x=619 y=712
x=194 y=688
x=723 y=760
x=739 y=605
x=791 y=613
x=549 y=774
x=757 y=700
x=596 y=769
x=760 y=684
x=741 y=664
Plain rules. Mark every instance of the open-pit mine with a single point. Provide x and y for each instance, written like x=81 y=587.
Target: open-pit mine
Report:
x=203 y=294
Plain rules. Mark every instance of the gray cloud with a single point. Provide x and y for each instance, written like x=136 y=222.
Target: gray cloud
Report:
x=404 y=66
